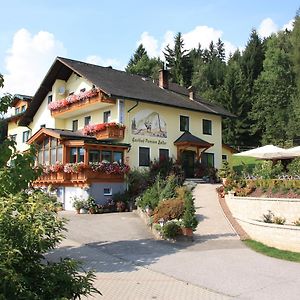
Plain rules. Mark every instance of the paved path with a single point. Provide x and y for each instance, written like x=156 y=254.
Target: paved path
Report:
x=131 y=265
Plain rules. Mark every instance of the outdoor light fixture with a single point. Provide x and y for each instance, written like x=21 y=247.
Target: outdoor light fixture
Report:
x=161 y=222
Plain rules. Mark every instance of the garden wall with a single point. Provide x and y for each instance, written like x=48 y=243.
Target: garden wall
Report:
x=249 y=212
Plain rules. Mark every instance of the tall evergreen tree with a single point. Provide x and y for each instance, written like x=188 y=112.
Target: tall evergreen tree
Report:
x=252 y=58
x=178 y=62
x=274 y=91
x=141 y=64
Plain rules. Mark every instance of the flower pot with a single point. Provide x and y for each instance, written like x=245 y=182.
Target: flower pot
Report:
x=187 y=231
x=92 y=210
x=83 y=211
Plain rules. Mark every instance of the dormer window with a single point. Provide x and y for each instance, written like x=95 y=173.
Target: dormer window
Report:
x=82 y=90
x=17 y=110
x=23 y=108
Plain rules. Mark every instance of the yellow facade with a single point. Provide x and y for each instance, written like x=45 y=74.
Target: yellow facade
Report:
x=125 y=111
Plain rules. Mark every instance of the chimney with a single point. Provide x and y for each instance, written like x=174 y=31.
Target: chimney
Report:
x=163 y=80
x=191 y=92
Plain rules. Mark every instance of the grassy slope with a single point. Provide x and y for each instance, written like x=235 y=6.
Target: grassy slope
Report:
x=273 y=252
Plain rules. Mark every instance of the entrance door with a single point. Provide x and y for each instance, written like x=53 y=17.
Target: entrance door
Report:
x=188 y=163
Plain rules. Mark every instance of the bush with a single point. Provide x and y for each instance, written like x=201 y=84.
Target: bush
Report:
x=297 y=222
x=279 y=220
x=268 y=218
x=168 y=210
x=294 y=167
x=266 y=170
x=189 y=219
x=170 y=230
x=29 y=228
x=138 y=182
x=121 y=197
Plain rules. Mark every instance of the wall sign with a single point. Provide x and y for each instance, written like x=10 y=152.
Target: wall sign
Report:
x=148 y=141
x=149 y=123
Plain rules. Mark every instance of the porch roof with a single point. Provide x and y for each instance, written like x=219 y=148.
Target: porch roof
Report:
x=64 y=134
x=191 y=140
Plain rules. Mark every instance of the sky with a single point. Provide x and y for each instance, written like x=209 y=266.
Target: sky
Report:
x=34 y=32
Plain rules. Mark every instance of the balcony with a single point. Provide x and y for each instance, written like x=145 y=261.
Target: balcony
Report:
x=106 y=131
x=78 y=174
x=85 y=101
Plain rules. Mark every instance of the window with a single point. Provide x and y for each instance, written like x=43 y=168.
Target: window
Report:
x=106 y=117
x=75 y=125
x=87 y=120
x=184 y=123
x=50 y=151
x=76 y=155
x=106 y=156
x=23 y=108
x=118 y=157
x=144 y=157
x=94 y=156
x=82 y=90
x=107 y=191
x=163 y=154
x=208 y=159
x=25 y=136
x=43 y=125
x=50 y=99
x=17 y=110
x=13 y=137
x=207 y=127
x=224 y=157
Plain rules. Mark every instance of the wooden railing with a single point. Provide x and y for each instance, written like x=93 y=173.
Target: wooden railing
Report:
x=83 y=177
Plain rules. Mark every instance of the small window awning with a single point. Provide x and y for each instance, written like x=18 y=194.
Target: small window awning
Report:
x=188 y=139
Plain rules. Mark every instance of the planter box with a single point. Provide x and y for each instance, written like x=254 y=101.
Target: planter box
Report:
x=110 y=133
x=187 y=231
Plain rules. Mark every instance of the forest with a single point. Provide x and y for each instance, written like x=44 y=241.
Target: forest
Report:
x=260 y=85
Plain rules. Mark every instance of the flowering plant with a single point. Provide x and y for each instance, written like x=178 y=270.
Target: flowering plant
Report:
x=91 y=129
x=110 y=168
x=57 y=167
x=56 y=105
x=74 y=167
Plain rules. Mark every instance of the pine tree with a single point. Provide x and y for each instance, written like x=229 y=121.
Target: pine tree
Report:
x=178 y=62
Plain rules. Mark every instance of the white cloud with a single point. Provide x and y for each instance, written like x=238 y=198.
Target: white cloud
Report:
x=200 y=34
x=150 y=43
x=105 y=62
x=267 y=27
x=289 y=25
x=28 y=60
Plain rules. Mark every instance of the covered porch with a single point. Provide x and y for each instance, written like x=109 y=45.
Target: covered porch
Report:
x=189 y=152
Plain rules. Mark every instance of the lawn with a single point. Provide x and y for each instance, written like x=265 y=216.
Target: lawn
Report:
x=273 y=252
x=237 y=162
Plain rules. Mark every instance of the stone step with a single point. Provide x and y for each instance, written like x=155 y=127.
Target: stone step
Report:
x=195 y=180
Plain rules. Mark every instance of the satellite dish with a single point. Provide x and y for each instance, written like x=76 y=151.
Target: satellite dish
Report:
x=61 y=90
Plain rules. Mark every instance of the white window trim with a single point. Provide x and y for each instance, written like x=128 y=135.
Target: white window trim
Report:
x=107 y=194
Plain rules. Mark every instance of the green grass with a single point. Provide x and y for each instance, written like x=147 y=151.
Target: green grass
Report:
x=238 y=162
x=273 y=252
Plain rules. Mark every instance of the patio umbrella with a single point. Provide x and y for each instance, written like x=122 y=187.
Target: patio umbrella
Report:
x=293 y=152
x=265 y=152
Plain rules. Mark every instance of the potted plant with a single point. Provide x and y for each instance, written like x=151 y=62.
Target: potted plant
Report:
x=224 y=172
x=91 y=205
x=120 y=206
x=78 y=203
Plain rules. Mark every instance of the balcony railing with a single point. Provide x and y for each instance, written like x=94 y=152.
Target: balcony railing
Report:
x=75 y=102
x=80 y=174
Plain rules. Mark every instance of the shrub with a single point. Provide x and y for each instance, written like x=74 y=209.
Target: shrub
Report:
x=297 y=222
x=268 y=218
x=138 y=182
x=294 y=167
x=189 y=219
x=279 y=220
x=168 y=210
x=266 y=170
x=170 y=230
x=225 y=171
x=169 y=188
x=151 y=196
x=121 y=197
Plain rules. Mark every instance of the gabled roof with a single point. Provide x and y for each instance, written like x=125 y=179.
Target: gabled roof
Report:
x=64 y=134
x=119 y=84
x=188 y=138
x=18 y=97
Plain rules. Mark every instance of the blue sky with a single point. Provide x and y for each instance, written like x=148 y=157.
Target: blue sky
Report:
x=33 y=32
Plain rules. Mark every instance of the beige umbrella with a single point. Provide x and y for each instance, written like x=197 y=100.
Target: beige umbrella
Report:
x=265 y=152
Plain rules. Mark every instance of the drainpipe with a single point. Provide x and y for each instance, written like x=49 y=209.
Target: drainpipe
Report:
x=134 y=106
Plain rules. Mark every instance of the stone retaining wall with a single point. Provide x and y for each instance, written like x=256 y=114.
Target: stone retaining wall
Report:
x=249 y=212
